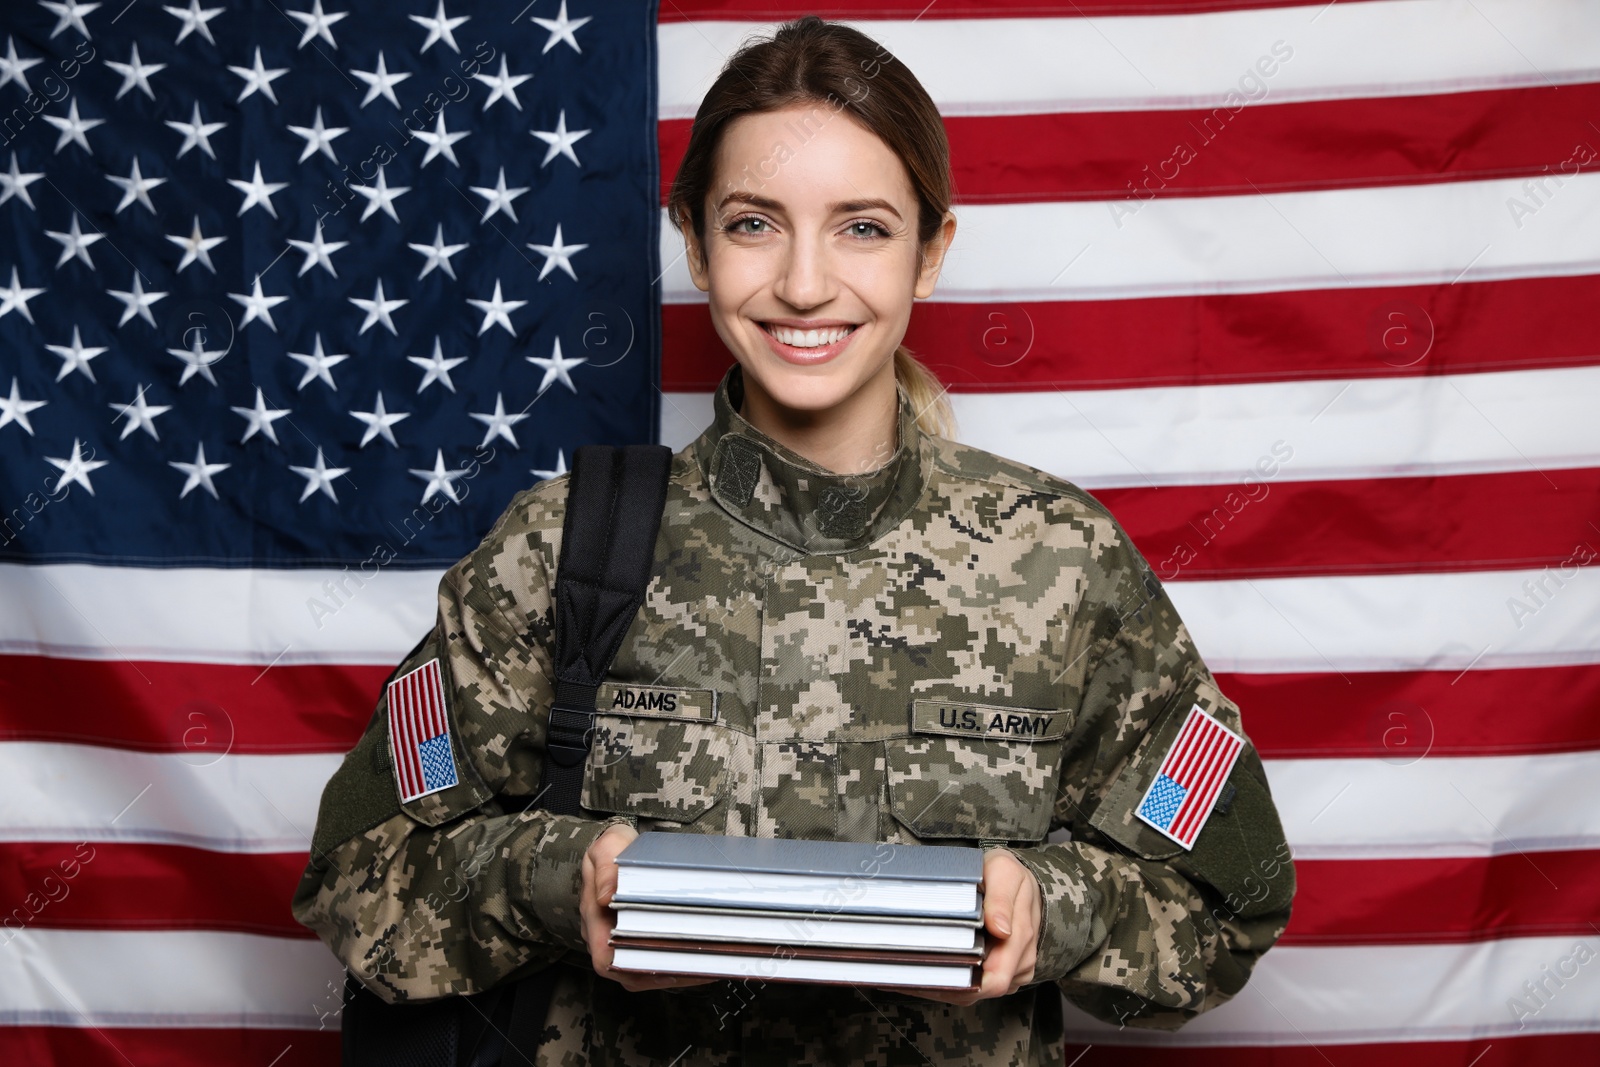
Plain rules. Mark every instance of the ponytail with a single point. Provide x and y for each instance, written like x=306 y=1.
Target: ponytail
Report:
x=929 y=398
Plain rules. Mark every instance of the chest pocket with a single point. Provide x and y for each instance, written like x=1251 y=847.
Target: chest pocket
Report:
x=657 y=752
x=976 y=771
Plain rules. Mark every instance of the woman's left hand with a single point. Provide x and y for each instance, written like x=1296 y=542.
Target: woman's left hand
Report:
x=1012 y=908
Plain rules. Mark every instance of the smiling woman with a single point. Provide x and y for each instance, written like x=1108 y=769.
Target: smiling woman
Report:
x=857 y=629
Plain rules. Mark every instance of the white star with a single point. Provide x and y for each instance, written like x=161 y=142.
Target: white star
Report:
x=561 y=29
x=439 y=28
x=258 y=306
x=194 y=20
x=381 y=196
x=136 y=301
x=260 y=418
x=135 y=73
x=199 y=471
x=381 y=83
x=378 y=309
x=317 y=365
x=73 y=128
x=561 y=139
x=439 y=142
x=556 y=368
x=196 y=132
x=438 y=254
x=557 y=254
x=15 y=298
x=499 y=198
x=74 y=243
x=504 y=85
x=258 y=79
x=496 y=310
x=437 y=368
x=257 y=191
x=498 y=422
x=15 y=183
x=319 y=138
x=317 y=24
x=196 y=246
x=140 y=415
x=320 y=478
x=197 y=359
x=380 y=422
x=135 y=187
x=67 y=14
x=74 y=469
x=15 y=409
x=75 y=357
x=317 y=251
x=561 y=467
x=13 y=69
x=439 y=480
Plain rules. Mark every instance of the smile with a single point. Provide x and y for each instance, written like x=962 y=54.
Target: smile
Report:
x=808 y=338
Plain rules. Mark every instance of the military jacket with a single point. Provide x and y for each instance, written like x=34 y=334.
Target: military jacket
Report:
x=950 y=648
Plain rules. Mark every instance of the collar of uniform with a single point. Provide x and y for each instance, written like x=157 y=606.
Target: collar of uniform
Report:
x=779 y=492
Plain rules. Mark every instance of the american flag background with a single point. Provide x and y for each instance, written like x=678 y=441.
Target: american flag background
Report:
x=295 y=294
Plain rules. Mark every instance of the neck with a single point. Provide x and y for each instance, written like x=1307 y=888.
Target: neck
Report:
x=854 y=436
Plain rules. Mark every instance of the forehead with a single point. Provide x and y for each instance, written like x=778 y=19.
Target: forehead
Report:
x=807 y=156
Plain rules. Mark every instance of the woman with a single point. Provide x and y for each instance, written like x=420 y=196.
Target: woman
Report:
x=871 y=632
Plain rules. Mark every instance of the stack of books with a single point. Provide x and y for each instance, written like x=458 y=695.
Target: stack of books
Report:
x=800 y=911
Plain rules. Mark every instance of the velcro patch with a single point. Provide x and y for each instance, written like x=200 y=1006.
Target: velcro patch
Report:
x=419 y=733
x=656 y=701
x=989 y=721
x=1190 y=779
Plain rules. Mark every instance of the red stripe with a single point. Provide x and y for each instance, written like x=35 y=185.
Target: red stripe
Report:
x=122 y=1046
x=1402 y=715
x=1199 y=807
x=1182 y=751
x=1542 y=1051
x=1196 y=340
x=1416 y=901
x=408 y=735
x=1325 y=144
x=1272 y=527
x=172 y=707
x=773 y=11
x=399 y=747
x=100 y=885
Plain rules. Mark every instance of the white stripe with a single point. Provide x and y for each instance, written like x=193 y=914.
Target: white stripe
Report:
x=215 y=615
x=1325 y=429
x=1344 y=238
x=232 y=803
x=1437 y=806
x=1393 y=622
x=1331 y=808
x=1328 y=51
x=1379 y=993
x=167 y=979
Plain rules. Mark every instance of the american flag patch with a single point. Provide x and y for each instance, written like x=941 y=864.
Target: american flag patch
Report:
x=419 y=733
x=1190 y=779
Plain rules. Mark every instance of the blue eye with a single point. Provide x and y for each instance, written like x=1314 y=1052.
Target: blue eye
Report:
x=877 y=230
x=732 y=227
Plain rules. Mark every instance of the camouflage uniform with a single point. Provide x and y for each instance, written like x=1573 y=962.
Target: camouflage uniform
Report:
x=951 y=648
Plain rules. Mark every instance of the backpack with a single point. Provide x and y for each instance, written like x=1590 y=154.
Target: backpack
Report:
x=614 y=499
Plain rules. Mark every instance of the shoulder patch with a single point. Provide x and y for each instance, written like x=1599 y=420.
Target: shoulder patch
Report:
x=419 y=733
x=1190 y=778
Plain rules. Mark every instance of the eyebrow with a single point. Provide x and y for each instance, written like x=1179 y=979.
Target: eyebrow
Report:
x=840 y=208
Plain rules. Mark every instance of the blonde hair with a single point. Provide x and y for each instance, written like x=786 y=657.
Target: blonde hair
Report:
x=929 y=398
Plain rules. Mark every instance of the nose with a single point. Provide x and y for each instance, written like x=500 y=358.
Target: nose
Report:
x=805 y=279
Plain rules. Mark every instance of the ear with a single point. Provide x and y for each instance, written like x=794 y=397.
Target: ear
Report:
x=933 y=256
x=694 y=254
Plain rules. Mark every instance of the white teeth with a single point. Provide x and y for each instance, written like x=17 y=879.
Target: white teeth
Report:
x=808 y=338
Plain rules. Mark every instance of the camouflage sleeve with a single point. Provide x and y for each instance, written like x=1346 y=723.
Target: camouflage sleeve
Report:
x=451 y=892
x=1136 y=929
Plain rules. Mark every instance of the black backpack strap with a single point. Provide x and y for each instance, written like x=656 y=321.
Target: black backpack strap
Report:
x=614 y=501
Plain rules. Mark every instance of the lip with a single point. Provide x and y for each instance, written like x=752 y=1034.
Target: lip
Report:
x=806 y=357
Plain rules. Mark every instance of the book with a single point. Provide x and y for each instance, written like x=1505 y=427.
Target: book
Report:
x=791 y=874
x=763 y=925
x=787 y=963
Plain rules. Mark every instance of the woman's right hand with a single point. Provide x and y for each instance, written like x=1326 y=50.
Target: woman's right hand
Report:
x=599 y=886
